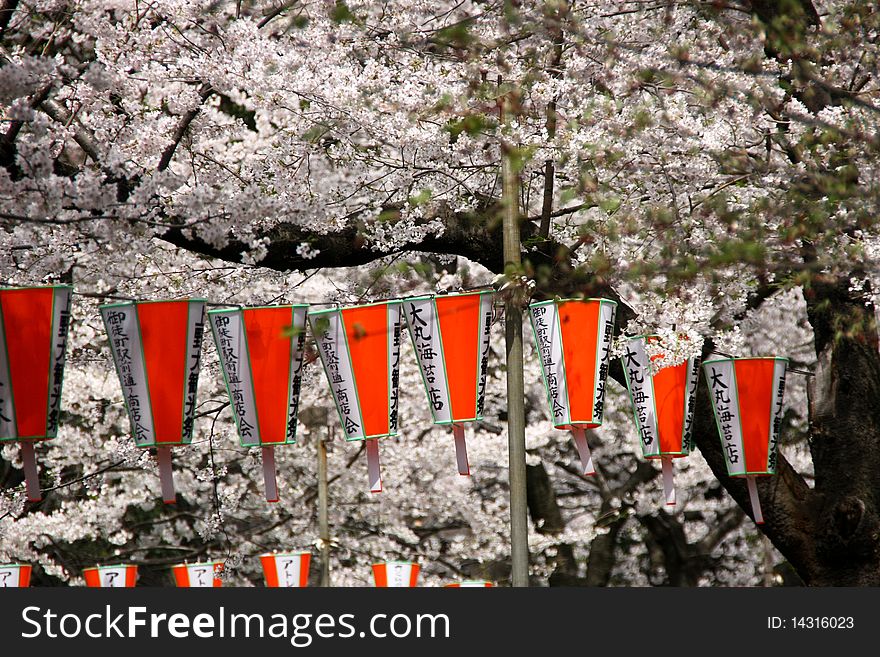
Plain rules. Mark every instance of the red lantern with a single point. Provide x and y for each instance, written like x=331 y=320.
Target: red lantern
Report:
x=33 y=338
x=15 y=575
x=198 y=575
x=468 y=584
x=261 y=352
x=747 y=396
x=286 y=569
x=396 y=574
x=450 y=334
x=574 y=343
x=663 y=405
x=360 y=351
x=122 y=576
x=157 y=348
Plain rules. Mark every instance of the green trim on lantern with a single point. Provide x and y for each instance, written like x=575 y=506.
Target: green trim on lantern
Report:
x=186 y=440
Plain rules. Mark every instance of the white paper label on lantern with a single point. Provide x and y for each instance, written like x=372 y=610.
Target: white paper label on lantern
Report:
x=398 y=574
x=483 y=368
x=721 y=378
x=637 y=369
x=123 y=332
x=195 y=329
x=299 y=324
x=548 y=335
x=229 y=333
x=776 y=409
x=8 y=426
x=329 y=332
x=112 y=577
x=288 y=570
x=60 y=323
x=603 y=358
x=9 y=578
x=395 y=321
x=200 y=575
x=421 y=317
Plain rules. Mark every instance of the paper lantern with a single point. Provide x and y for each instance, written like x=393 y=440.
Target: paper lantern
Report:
x=747 y=398
x=469 y=584
x=450 y=334
x=574 y=344
x=15 y=575
x=198 y=575
x=157 y=348
x=395 y=574
x=360 y=350
x=663 y=405
x=104 y=577
x=33 y=339
x=261 y=352
x=286 y=569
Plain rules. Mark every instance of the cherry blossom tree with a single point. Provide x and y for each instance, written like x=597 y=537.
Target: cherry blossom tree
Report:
x=709 y=165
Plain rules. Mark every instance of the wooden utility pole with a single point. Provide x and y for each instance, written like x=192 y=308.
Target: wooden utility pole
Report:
x=513 y=320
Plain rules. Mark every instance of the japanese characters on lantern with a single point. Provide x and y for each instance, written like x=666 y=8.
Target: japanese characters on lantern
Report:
x=261 y=353
x=747 y=399
x=573 y=338
x=198 y=575
x=156 y=347
x=395 y=574
x=122 y=576
x=663 y=404
x=451 y=336
x=359 y=347
x=15 y=575
x=34 y=324
x=286 y=569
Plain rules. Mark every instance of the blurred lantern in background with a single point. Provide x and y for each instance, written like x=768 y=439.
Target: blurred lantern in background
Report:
x=286 y=569
x=747 y=398
x=15 y=575
x=573 y=338
x=33 y=339
x=469 y=584
x=450 y=334
x=663 y=405
x=360 y=350
x=261 y=353
x=396 y=574
x=122 y=576
x=198 y=575
x=157 y=346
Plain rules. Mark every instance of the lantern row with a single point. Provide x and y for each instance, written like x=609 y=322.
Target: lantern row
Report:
x=280 y=570
x=156 y=348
